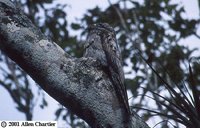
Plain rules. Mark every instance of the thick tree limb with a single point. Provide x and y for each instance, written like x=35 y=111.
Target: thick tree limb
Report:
x=77 y=84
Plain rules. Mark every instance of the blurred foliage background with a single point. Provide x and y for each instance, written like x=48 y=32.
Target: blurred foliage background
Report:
x=148 y=32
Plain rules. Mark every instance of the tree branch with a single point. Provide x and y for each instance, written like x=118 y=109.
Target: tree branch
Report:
x=76 y=83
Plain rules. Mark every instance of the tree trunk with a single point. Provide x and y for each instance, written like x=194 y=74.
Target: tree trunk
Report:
x=74 y=82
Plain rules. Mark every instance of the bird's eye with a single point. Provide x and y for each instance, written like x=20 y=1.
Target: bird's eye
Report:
x=109 y=38
x=111 y=45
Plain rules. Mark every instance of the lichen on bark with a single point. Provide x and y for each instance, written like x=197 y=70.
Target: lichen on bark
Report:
x=77 y=83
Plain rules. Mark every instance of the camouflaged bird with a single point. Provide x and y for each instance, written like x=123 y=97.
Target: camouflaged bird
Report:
x=102 y=46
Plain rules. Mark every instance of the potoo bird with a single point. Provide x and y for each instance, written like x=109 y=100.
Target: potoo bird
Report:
x=102 y=45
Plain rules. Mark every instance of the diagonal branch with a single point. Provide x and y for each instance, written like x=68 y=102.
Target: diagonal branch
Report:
x=75 y=83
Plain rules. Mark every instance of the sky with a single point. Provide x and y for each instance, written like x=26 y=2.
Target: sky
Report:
x=77 y=8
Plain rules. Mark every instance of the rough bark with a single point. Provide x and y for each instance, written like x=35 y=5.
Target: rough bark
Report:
x=76 y=83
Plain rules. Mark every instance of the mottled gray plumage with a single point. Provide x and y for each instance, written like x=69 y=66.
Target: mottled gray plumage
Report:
x=102 y=45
